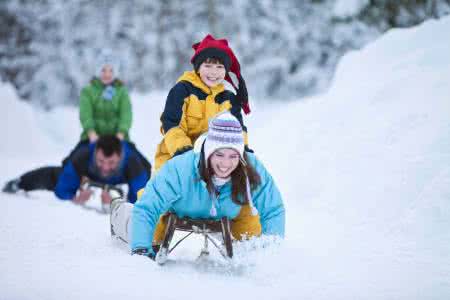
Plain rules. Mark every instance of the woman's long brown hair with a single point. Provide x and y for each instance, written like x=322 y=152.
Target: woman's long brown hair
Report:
x=238 y=179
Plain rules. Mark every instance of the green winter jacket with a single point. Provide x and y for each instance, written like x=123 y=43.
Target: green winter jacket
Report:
x=105 y=116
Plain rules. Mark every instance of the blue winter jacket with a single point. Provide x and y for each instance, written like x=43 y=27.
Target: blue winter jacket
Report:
x=178 y=188
x=82 y=163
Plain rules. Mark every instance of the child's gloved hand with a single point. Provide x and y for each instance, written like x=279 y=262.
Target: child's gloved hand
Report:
x=242 y=95
x=92 y=135
x=120 y=136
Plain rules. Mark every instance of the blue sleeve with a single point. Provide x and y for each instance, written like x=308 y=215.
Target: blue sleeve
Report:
x=173 y=109
x=267 y=199
x=160 y=192
x=135 y=184
x=68 y=183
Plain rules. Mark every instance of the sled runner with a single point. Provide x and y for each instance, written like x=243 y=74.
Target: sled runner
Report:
x=205 y=227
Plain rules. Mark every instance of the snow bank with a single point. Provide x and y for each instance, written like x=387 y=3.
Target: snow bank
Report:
x=20 y=126
x=364 y=171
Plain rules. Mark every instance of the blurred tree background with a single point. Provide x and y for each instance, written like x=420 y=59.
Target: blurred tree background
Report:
x=287 y=48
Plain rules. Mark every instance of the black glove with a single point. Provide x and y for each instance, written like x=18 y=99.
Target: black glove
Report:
x=242 y=93
x=247 y=149
x=144 y=252
x=182 y=150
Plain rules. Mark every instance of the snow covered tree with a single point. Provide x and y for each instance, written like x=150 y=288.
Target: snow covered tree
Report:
x=287 y=49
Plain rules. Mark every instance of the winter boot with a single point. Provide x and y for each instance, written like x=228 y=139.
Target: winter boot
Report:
x=12 y=186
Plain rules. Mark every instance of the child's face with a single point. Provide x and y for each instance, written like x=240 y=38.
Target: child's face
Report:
x=224 y=161
x=107 y=74
x=212 y=74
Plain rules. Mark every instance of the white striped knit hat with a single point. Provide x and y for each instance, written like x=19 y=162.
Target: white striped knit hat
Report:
x=106 y=57
x=224 y=131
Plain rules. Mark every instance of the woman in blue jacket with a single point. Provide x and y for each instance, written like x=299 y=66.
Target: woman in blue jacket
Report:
x=210 y=183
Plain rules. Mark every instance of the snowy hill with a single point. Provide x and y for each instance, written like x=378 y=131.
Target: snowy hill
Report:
x=364 y=170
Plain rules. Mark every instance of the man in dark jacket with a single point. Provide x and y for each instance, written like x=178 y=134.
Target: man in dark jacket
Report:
x=108 y=161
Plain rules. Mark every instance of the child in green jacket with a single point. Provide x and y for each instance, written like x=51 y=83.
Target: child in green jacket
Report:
x=105 y=106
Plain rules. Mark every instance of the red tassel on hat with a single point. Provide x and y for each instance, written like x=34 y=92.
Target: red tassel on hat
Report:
x=210 y=45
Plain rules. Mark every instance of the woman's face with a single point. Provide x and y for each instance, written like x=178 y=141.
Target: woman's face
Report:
x=224 y=161
x=212 y=74
x=107 y=74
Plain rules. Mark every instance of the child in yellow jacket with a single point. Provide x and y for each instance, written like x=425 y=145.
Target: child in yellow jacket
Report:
x=198 y=96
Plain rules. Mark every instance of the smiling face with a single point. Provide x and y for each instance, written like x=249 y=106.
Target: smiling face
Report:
x=224 y=161
x=211 y=73
x=107 y=74
x=106 y=165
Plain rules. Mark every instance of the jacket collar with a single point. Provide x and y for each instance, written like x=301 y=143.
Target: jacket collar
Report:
x=196 y=81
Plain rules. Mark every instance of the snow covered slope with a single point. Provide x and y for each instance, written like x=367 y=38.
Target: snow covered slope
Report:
x=364 y=170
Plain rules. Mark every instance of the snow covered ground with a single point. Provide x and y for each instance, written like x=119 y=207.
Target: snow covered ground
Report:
x=364 y=170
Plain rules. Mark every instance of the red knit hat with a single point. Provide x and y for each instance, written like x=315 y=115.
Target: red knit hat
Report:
x=209 y=47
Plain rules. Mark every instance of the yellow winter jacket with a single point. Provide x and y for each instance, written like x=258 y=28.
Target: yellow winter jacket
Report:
x=189 y=107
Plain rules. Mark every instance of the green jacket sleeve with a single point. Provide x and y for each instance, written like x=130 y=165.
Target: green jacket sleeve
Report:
x=86 y=111
x=126 y=115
